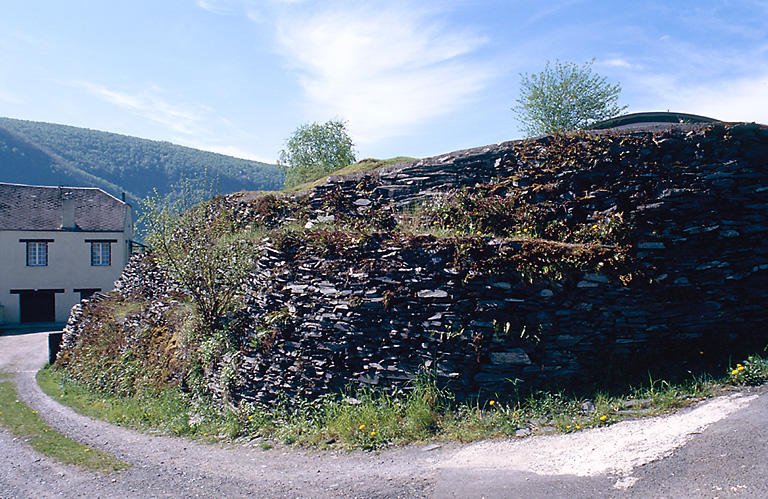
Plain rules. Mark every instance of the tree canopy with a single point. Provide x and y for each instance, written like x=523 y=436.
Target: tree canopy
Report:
x=46 y=153
x=314 y=150
x=565 y=96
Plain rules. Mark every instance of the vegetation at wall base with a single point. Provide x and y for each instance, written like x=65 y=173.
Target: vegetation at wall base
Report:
x=372 y=419
x=26 y=424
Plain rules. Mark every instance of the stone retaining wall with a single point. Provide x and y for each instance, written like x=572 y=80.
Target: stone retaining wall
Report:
x=380 y=310
x=695 y=197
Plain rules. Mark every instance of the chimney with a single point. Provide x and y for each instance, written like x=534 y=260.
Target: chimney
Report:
x=67 y=211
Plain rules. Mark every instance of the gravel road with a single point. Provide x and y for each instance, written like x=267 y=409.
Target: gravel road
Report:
x=716 y=449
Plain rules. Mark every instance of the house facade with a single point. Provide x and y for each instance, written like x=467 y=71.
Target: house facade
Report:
x=57 y=246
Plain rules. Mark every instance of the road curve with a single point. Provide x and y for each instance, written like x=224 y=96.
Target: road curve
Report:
x=716 y=449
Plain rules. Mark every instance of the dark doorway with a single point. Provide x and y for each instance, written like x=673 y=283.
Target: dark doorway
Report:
x=38 y=306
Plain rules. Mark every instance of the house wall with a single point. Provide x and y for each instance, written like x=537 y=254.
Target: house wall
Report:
x=69 y=268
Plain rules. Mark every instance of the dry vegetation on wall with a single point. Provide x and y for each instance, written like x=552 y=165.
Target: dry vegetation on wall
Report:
x=568 y=259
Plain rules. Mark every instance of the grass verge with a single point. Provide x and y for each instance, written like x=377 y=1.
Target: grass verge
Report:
x=373 y=420
x=25 y=424
x=166 y=411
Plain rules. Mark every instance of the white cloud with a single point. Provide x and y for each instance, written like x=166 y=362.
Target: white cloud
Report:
x=384 y=69
x=215 y=6
x=191 y=125
x=618 y=62
x=739 y=99
x=150 y=104
x=227 y=150
x=550 y=8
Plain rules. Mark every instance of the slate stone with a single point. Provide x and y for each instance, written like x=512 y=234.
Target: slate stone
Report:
x=510 y=357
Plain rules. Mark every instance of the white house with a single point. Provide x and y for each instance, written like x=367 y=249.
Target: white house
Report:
x=57 y=246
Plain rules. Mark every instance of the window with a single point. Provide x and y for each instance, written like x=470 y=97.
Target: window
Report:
x=101 y=254
x=86 y=293
x=37 y=253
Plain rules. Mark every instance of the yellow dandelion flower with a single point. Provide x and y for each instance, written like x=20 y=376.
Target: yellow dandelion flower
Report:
x=735 y=371
x=492 y=402
x=568 y=426
x=603 y=418
x=361 y=427
x=373 y=433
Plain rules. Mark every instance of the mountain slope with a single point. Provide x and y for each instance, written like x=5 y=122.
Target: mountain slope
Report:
x=45 y=153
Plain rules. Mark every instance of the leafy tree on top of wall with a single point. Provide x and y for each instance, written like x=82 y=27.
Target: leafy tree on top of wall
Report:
x=565 y=96
x=314 y=150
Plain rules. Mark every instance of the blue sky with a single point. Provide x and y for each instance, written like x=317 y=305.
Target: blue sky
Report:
x=411 y=78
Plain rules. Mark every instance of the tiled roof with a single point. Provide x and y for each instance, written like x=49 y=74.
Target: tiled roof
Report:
x=36 y=207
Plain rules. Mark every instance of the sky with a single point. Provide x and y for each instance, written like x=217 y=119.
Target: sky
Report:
x=410 y=78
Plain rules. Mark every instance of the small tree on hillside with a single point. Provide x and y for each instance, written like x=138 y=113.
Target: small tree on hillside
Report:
x=314 y=150
x=565 y=96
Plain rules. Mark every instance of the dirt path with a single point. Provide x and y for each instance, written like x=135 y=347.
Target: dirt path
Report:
x=604 y=462
x=164 y=466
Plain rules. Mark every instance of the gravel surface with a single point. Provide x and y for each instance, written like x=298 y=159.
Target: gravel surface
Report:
x=715 y=449
x=163 y=466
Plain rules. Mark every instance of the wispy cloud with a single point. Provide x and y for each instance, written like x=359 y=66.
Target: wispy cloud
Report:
x=385 y=70
x=549 y=9
x=191 y=125
x=216 y=6
x=721 y=81
x=10 y=96
x=152 y=105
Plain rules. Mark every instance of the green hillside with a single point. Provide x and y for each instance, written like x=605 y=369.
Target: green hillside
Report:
x=49 y=154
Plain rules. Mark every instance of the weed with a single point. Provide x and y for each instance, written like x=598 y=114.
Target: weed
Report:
x=753 y=371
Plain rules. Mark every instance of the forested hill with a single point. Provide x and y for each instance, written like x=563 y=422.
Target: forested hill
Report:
x=49 y=154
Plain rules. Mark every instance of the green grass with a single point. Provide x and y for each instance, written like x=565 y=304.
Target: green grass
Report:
x=165 y=410
x=25 y=424
x=364 y=165
x=372 y=419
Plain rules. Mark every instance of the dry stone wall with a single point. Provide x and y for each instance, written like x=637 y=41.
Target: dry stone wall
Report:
x=379 y=310
x=695 y=197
